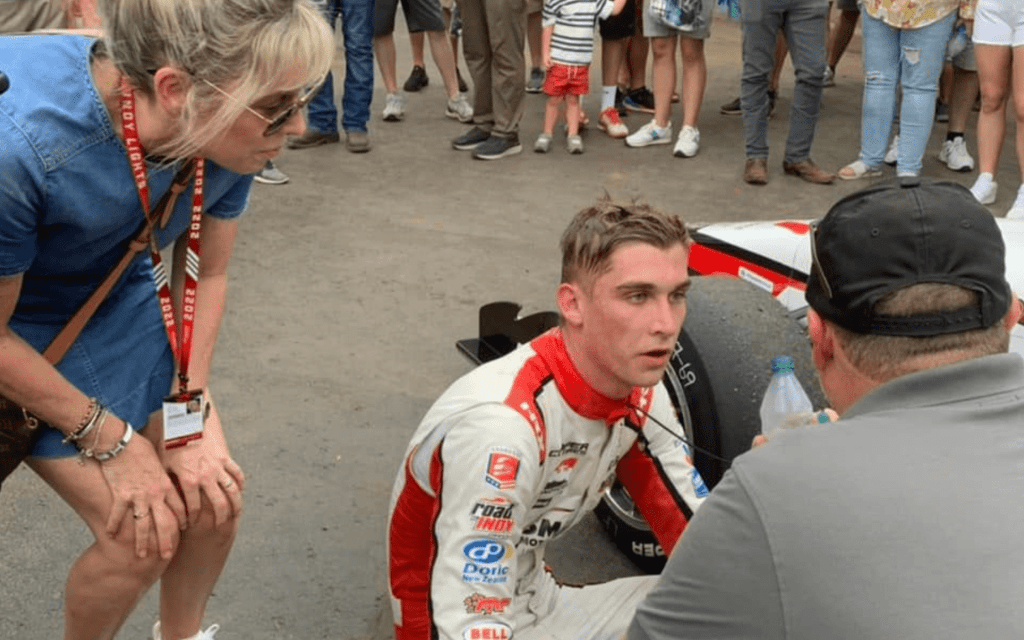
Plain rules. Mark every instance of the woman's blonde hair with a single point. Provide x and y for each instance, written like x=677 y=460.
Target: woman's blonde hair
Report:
x=244 y=47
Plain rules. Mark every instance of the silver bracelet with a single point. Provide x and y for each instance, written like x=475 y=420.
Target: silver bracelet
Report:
x=103 y=456
x=96 y=416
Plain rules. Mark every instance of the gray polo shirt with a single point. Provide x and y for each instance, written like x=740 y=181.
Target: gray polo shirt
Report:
x=903 y=520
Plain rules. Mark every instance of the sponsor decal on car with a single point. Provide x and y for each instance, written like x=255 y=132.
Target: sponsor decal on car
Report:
x=502 y=469
x=486 y=605
x=492 y=515
x=487 y=631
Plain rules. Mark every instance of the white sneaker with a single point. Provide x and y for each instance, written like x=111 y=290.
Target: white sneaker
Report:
x=543 y=144
x=209 y=634
x=574 y=145
x=459 y=108
x=893 y=154
x=985 y=189
x=954 y=154
x=394 y=108
x=688 y=143
x=1016 y=212
x=650 y=134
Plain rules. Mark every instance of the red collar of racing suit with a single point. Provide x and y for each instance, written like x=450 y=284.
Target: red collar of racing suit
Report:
x=578 y=394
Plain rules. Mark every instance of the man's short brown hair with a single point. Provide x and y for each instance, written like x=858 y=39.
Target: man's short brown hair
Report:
x=883 y=357
x=597 y=231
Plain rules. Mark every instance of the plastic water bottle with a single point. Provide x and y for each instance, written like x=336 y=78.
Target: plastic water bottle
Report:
x=784 y=397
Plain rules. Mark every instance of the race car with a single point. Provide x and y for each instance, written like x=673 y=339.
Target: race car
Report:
x=746 y=306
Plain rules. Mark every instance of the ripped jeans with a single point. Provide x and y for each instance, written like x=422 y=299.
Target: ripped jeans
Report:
x=913 y=57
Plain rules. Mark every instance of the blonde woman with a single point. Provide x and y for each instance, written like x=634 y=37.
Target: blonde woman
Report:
x=92 y=129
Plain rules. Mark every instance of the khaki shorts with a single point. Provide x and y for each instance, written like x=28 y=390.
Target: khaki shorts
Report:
x=534 y=6
x=20 y=16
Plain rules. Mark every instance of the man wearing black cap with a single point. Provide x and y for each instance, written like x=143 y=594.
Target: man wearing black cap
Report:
x=902 y=519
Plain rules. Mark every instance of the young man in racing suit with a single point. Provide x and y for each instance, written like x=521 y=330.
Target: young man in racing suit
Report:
x=517 y=451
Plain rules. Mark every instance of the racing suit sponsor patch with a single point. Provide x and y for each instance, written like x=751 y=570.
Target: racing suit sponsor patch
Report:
x=487 y=631
x=485 y=605
x=485 y=566
x=492 y=515
x=502 y=469
x=484 y=551
x=577 y=448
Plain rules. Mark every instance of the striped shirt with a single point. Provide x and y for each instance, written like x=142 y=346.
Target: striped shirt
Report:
x=572 y=40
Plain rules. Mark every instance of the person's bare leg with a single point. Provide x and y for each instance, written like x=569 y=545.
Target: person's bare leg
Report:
x=695 y=78
x=637 y=58
x=189 y=580
x=946 y=83
x=551 y=110
x=441 y=51
x=962 y=97
x=994 y=64
x=384 y=51
x=1018 y=102
x=613 y=54
x=533 y=32
x=664 y=77
x=416 y=48
x=842 y=34
x=572 y=115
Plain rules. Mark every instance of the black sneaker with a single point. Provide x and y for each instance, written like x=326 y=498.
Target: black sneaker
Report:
x=469 y=140
x=417 y=79
x=463 y=87
x=495 y=147
x=536 y=82
x=640 y=100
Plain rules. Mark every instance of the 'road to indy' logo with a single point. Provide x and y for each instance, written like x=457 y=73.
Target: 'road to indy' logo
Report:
x=484 y=551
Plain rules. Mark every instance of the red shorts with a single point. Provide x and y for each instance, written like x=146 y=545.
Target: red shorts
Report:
x=566 y=80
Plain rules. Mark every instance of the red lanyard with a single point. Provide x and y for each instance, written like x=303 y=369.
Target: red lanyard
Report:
x=182 y=349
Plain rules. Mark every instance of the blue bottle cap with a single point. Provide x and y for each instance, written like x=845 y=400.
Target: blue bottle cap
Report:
x=782 y=363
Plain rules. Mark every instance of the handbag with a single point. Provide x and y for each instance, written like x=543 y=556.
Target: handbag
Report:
x=19 y=429
x=682 y=15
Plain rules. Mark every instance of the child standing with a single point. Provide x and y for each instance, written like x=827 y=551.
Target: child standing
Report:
x=567 y=46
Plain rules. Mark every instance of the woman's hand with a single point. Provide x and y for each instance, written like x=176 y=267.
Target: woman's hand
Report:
x=205 y=466
x=139 y=483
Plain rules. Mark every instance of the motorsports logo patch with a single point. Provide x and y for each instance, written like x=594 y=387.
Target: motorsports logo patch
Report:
x=487 y=631
x=502 y=469
x=485 y=564
x=477 y=603
x=492 y=515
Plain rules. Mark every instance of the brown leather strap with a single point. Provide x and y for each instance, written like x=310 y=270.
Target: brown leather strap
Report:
x=162 y=212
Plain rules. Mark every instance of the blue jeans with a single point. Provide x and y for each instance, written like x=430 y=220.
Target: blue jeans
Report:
x=914 y=57
x=357 y=28
x=803 y=22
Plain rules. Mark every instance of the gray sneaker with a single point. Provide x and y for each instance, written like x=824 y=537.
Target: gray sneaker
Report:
x=270 y=174
x=394 y=109
x=459 y=109
x=357 y=141
x=543 y=143
x=471 y=139
x=574 y=145
x=536 y=82
x=496 y=147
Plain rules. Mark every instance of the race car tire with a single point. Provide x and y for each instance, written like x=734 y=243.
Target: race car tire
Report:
x=716 y=378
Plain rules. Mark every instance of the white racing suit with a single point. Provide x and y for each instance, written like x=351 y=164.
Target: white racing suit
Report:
x=511 y=456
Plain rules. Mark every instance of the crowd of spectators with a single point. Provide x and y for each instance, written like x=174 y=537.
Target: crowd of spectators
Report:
x=920 y=68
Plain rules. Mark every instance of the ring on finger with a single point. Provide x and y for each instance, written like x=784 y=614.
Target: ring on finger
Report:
x=140 y=516
x=227 y=484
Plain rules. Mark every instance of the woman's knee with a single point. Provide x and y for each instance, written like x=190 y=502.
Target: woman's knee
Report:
x=663 y=47
x=993 y=98
x=118 y=553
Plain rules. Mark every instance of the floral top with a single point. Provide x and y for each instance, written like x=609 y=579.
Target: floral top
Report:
x=914 y=14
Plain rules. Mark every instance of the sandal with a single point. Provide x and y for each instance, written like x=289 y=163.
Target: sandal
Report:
x=857 y=170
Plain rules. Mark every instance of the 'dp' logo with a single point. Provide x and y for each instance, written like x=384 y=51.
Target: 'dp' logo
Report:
x=502 y=469
x=484 y=551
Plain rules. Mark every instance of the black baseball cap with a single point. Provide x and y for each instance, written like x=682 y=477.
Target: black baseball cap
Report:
x=897 y=234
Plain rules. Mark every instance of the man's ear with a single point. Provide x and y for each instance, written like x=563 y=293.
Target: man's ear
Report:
x=569 y=301
x=823 y=345
x=170 y=87
x=1013 y=316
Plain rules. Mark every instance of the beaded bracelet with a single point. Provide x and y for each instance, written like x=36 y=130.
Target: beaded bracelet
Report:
x=103 y=456
x=88 y=423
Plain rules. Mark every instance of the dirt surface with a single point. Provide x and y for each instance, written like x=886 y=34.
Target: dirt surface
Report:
x=350 y=286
